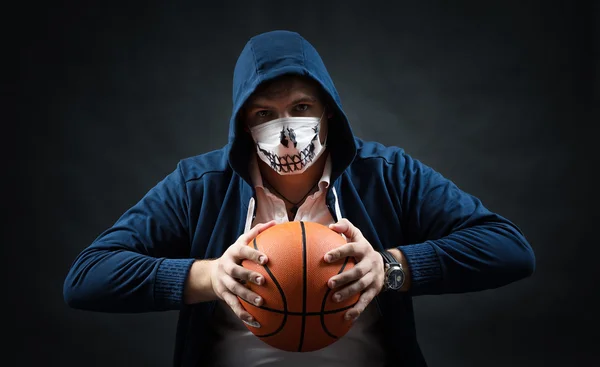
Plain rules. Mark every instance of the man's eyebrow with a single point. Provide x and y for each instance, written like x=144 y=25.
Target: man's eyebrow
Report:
x=304 y=99
x=258 y=105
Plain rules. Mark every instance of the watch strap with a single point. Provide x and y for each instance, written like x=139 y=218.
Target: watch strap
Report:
x=388 y=258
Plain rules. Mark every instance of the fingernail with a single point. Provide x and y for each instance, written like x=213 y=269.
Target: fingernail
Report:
x=258 y=280
x=252 y=323
x=337 y=297
x=332 y=284
x=328 y=258
x=257 y=301
x=347 y=317
x=261 y=259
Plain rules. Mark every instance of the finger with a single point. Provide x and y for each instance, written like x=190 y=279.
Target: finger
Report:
x=255 y=231
x=247 y=252
x=354 y=288
x=242 y=244
x=348 y=276
x=346 y=228
x=234 y=303
x=243 y=274
x=365 y=298
x=354 y=249
x=244 y=293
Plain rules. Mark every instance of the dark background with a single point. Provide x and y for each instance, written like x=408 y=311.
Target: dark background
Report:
x=501 y=97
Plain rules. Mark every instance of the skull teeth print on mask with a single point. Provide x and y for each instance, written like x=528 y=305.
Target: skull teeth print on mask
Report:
x=294 y=162
x=289 y=145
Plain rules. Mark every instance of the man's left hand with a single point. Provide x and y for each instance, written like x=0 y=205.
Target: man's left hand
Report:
x=367 y=276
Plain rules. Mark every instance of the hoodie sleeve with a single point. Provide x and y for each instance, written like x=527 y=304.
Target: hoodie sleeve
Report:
x=456 y=244
x=139 y=264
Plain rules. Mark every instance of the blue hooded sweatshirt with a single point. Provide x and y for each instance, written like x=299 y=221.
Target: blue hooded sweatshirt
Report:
x=452 y=243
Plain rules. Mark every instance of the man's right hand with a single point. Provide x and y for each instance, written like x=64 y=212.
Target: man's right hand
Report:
x=227 y=275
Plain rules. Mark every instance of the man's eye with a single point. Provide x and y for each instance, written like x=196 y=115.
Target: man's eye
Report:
x=302 y=107
x=263 y=113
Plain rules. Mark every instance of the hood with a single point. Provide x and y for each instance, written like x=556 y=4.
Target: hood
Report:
x=267 y=56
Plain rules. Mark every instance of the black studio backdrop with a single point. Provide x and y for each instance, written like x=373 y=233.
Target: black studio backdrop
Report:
x=499 y=97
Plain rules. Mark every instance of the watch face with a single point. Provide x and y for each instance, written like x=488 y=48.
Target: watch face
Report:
x=395 y=279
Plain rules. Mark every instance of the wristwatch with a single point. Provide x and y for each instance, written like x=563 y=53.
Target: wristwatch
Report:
x=394 y=274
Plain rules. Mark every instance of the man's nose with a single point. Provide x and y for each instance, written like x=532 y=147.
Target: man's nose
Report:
x=283 y=114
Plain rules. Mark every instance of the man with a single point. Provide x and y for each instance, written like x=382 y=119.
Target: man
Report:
x=291 y=155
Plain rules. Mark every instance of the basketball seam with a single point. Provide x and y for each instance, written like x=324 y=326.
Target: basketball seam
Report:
x=293 y=313
x=325 y=301
x=304 y=286
x=281 y=292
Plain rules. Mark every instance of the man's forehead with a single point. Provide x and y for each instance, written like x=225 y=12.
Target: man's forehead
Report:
x=286 y=85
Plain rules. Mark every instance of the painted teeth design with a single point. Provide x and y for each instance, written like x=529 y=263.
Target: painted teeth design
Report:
x=290 y=163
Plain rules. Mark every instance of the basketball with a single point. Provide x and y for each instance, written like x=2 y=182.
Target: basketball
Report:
x=298 y=313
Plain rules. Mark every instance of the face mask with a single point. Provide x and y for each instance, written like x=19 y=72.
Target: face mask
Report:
x=289 y=145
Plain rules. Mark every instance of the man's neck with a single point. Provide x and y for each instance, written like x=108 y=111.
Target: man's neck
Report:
x=294 y=187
